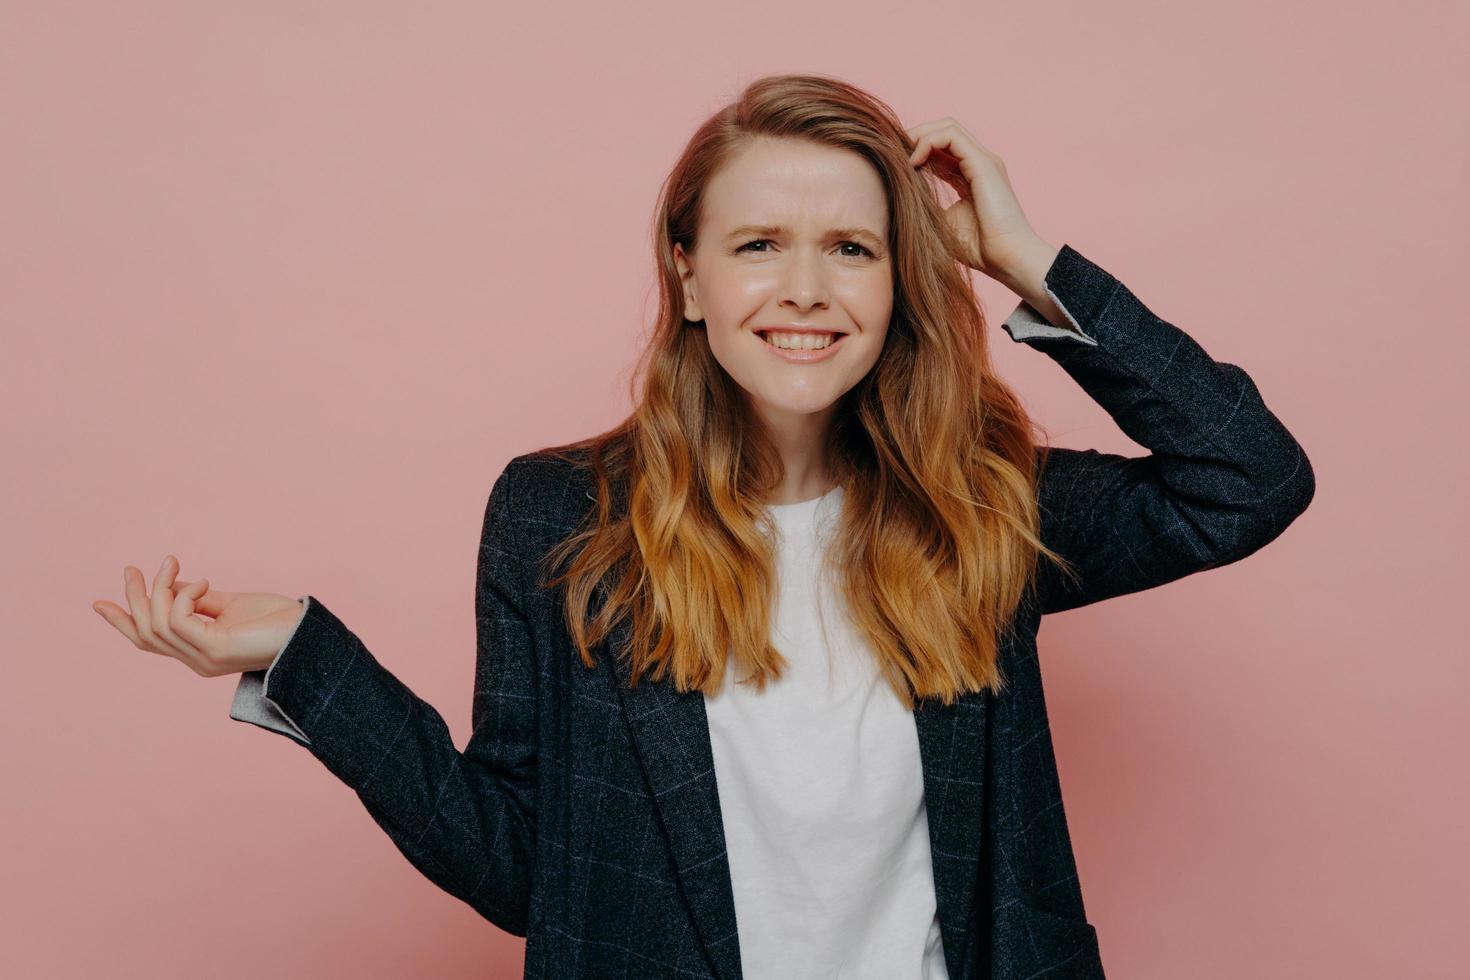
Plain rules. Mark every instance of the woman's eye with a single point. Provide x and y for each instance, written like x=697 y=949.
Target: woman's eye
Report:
x=761 y=241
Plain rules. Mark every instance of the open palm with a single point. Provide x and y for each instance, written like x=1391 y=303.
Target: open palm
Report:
x=245 y=630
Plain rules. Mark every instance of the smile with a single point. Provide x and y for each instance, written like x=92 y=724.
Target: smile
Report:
x=803 y=348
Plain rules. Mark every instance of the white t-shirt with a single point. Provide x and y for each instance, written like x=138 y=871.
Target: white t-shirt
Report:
x=822 y=792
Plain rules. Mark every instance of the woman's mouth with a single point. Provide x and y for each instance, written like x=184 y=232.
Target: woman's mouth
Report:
x=802 y=347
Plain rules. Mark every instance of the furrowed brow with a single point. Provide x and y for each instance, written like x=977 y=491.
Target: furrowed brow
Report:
x=767 y=230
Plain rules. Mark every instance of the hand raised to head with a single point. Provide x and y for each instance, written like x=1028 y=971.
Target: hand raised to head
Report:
x=987 y=218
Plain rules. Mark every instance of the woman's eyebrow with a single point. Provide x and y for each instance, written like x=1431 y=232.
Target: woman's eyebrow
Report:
x=854 y=232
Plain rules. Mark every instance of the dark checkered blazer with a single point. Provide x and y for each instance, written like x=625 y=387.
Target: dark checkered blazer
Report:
x=585 y=816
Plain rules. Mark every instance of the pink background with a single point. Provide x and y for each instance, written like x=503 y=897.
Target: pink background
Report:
x=285 y=287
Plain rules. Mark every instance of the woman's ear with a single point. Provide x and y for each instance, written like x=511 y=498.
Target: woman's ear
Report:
x=692 y=312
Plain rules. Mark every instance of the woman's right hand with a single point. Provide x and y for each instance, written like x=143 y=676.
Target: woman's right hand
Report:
x=247 y=631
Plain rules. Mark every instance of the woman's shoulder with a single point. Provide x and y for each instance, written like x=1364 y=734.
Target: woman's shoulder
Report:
x=575 y=462
x=541 y=477
x=551 y=463
x=555 y=484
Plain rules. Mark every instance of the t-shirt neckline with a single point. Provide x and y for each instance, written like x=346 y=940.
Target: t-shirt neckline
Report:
x=802 y=509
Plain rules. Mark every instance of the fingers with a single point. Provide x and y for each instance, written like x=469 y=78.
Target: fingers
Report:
x=161 y=600
x=192 y=632
x=211 y=603
x=948 y=132
x=966 y=155
x=927 y=136
x=149 y=627
x=115 y=615
x=160 y=607
x=959 y=172
x=916 y=131
x=138 y=608
x=957 y=140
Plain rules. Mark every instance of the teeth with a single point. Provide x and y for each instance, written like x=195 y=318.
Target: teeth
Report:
x=800 y=341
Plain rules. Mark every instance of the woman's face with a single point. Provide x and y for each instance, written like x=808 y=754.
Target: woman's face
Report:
x=793 y=234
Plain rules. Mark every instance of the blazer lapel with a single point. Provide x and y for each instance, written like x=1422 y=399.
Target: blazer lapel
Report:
x=952 y=746
x=671 y=734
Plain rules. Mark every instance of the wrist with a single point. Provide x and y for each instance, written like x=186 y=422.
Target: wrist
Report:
x=1025 y=273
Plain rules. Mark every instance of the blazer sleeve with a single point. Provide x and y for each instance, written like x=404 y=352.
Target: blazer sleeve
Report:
x=466 y=820
x=1223 y=476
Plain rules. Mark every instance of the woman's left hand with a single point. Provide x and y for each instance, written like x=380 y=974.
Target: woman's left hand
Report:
x=987 y=218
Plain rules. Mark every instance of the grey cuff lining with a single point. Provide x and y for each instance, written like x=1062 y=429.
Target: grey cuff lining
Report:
x=1026 y=322
x=253 y=705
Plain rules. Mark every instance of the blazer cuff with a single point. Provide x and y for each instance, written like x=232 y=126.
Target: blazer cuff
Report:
x=252 y=703
x=1065 y=277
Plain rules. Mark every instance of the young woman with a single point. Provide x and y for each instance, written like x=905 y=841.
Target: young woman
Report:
x=765 y=652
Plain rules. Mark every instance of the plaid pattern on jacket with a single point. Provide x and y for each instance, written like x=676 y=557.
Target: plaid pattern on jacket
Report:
x=585 y=816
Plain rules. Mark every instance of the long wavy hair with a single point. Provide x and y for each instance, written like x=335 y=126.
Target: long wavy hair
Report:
x=938 y=535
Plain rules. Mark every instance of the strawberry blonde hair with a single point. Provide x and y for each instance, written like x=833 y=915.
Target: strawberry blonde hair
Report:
x=938 y=535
